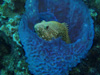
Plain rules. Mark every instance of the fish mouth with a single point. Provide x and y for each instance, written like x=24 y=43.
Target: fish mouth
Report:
x=37 y=31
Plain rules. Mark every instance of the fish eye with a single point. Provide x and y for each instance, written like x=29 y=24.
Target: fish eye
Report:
x=47 y=27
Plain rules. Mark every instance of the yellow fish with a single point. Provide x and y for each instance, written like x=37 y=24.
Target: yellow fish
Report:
x=52 y=29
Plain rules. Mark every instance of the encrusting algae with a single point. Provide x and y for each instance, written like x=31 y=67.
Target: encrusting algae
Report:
x=52 y=29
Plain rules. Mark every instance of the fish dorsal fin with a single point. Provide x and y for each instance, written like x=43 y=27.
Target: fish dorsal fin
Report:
x=65 y=24
x=66 y=38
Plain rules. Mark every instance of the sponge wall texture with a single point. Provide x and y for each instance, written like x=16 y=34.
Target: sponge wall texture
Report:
x=55 y=57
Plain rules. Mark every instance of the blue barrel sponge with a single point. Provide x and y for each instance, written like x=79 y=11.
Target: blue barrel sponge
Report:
x=56 y=57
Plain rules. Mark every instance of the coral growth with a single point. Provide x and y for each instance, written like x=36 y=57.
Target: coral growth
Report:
x=11 y=28
x=9 y=19
x=55 y=57
x=12 y=60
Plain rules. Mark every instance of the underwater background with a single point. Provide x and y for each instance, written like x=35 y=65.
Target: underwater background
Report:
x=12 y=56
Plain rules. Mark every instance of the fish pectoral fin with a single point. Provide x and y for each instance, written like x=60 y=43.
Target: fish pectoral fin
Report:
x=68 y=38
